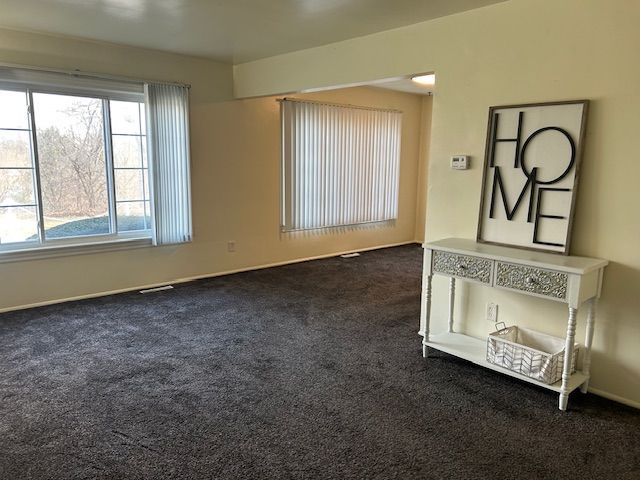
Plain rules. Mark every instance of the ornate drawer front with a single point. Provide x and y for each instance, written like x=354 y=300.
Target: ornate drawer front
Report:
x=474 y=268
x=534 y=280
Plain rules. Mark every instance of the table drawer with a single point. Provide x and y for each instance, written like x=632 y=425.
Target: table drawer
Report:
x=463 y=266
x=532 y=280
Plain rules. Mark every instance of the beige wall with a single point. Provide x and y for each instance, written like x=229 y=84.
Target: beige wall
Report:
x=235 y=184
x=211 y=81
x=243 y=181
x=425 y=145
x=515 y=52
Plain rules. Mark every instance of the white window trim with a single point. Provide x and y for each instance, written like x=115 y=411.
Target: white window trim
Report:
x=52 y=251
x=18 y=251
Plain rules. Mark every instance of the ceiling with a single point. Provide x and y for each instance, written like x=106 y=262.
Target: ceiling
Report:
x=227 y=30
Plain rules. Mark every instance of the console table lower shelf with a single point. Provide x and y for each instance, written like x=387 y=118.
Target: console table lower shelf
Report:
x=475 y=350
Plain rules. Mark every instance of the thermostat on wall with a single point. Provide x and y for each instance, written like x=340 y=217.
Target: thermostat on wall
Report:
x=460 y=162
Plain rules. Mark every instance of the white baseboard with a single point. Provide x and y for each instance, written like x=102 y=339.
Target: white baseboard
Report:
x=198 y=277
x=615 y=398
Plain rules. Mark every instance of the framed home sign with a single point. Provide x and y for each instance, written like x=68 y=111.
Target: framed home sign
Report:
x=532 y=160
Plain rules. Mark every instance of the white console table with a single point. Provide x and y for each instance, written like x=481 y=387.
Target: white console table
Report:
x=567 y=279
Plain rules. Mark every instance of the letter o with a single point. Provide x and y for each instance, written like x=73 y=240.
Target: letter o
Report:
x=535 y=134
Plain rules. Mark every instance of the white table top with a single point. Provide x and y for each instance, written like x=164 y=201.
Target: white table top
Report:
x=565 y=263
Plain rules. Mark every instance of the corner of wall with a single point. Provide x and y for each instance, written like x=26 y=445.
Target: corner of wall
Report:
x=423 y=168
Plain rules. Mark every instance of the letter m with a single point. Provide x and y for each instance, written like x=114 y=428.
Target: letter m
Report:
x=498 y=184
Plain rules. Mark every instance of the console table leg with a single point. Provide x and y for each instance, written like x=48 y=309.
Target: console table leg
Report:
x=427 y=313
x=452 y=298
x=586 y=361
x=568 y=354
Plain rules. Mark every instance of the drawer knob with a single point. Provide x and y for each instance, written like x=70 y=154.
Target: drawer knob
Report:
x=462 y=266
x=531 y=280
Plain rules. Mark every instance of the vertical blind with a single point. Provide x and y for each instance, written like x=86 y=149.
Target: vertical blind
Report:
x=340 y=165
x=168 y=144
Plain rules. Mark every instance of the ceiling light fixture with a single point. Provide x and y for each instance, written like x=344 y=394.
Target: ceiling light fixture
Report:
x=429 y=79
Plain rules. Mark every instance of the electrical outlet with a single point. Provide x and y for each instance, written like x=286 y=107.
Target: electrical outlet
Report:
x=231 y=246
x=492 y=312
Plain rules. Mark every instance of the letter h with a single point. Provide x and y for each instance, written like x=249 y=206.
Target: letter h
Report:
x=494 y=139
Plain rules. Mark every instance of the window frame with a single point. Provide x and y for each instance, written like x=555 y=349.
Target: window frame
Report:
x=43 y=247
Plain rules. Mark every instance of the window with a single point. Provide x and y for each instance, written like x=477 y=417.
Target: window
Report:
x=340 y=165
x=18 y=212
x=131 y=170
x=73 y=169
x=74 y=166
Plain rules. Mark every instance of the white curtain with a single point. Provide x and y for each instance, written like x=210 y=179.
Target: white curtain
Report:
x=340 y=165
x=168 y=145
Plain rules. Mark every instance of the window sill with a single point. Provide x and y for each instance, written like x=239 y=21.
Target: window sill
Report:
x=53 y=251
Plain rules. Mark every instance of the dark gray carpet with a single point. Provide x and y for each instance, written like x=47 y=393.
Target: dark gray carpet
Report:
x=311 y=370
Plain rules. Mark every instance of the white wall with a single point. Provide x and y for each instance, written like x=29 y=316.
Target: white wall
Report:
x=516 y=52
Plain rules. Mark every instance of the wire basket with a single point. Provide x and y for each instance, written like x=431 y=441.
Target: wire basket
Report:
x=530 y=353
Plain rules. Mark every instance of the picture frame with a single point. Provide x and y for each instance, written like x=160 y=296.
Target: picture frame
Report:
x=533 y=154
